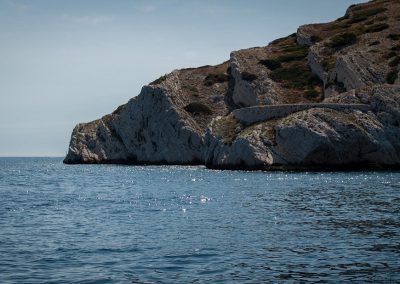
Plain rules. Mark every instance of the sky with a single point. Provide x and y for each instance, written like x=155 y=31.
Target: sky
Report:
x=66 y=62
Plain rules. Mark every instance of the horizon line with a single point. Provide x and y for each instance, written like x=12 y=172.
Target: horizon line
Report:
x=45 y=156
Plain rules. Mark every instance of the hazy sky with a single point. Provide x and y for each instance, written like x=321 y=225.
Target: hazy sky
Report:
x=64 y=62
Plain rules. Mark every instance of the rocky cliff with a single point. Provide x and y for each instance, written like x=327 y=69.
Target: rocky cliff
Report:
x=326 y=97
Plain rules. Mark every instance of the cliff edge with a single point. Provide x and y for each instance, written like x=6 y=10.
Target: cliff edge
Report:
x=325 y=97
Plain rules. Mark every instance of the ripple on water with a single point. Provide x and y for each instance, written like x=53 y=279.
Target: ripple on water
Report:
x=127 y=224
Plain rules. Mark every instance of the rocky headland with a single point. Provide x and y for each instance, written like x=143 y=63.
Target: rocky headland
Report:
x=325 y=97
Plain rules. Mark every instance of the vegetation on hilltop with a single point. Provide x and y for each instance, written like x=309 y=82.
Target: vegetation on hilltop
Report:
x=288 y=66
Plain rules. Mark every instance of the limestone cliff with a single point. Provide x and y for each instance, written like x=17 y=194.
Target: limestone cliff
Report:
x=164 y=124
x=326 y=97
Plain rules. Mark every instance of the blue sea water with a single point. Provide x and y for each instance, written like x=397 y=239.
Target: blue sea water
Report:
x=171 y=224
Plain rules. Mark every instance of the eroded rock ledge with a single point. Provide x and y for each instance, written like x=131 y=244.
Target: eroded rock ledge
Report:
x=327 y=97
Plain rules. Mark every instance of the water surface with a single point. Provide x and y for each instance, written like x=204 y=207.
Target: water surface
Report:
x=135 y=224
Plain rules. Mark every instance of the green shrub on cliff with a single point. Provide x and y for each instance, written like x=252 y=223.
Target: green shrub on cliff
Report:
x=342 y=40
x=213 y=78
x=296 y=76
x=390 y=54
x=395 y=48
x=315 y=39
x=311 y=94
x=271 y=64
x=394 y=36
x=395 y=61
x=248 y=76
x=376 y=42
x=293 y=53
x=376 y=28
x=362 y=15
x=391 y=77
x=198 y=108
x=192 y=90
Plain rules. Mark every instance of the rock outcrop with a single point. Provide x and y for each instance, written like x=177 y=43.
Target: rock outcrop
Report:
x=327 y=97
x=151 y=128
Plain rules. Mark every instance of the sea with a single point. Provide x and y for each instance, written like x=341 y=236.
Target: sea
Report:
x=174 y=224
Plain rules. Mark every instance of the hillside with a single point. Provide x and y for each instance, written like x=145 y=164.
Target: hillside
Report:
x=325 y=97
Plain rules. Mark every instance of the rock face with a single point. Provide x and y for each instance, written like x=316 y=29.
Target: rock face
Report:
x=150 y=128
x=316 y=138
x=327 y=97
